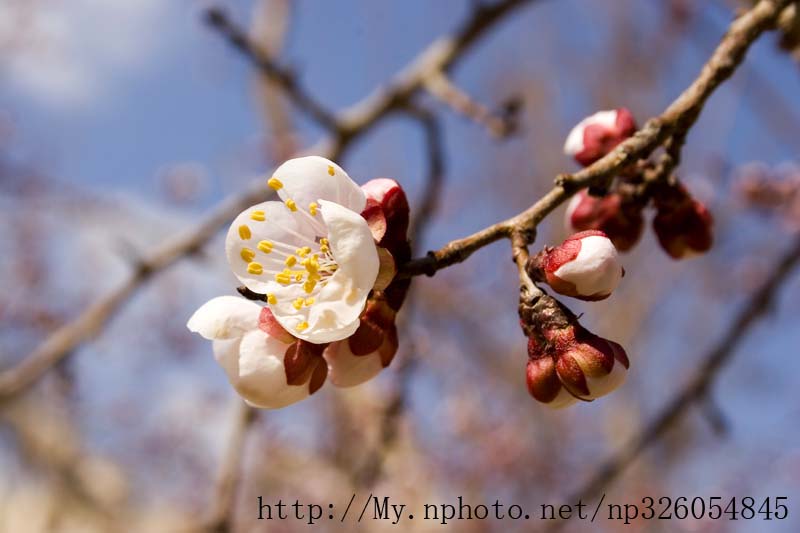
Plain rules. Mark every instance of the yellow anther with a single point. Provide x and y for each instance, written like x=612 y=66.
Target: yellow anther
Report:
x=298 y=303
x=314 y=276
x=309 y=302
x=275 y=183
x=298 y=276
x=247 y=254
x=255 y=268
x=301 y=326
x=324 y=249
x=304 y=251
x=330 y=170
x=258 y=215
x=308 y=286
x=265 y=246
x=283 y=278
x=324 y=242
x=291 y=205
x=290 y=261
x=244 y=232
x=271 y=299
x=312 y=208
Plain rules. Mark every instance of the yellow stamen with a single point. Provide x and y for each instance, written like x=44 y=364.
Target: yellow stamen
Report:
x=265 y=246
x=309 y=302
x=298 y=303
x=244 y=232
x=275 y=183
x=283 y=278
x=312 y=208
x=247 y=254
x=301 y=326
x=291 y=205
x=308 y=286
x=330 y=170
x=298 y=276
x=255 y=268
x=271 y=299
x=304 y=251
x=258 y=215
x=290 y=261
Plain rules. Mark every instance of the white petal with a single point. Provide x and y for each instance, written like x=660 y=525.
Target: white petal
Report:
x=226 y=352
x=352 y=244
x=280 y=225
x=334 y=315
x=573 y=204
x=562 y=400
x=313 y=178
x=376 y=189
x=348 y=370
x=600 y=386
x=596 y=269
x=225 y=317
x=574 y=143
x=260 y=375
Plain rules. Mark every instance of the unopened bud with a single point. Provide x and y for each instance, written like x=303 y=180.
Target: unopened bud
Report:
x=597 y=135
x=570 y=363
x=585 y=266
x=618 y=217
x=683 y=225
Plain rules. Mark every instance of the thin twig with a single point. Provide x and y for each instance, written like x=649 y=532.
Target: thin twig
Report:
x=282 y=76
x=499 y=123
x=696 y=389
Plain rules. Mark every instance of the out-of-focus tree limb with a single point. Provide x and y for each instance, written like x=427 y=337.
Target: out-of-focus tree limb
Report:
x=697 y=388
x=351 y=123
x=371 y=467
x=671 y=126
x=220 y=516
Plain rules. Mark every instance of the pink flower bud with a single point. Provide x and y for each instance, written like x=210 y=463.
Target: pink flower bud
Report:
x=619 y=218
x=683 y=225
x=386 y=212
x=597 y=135
x=585 y=266
x=569 y=363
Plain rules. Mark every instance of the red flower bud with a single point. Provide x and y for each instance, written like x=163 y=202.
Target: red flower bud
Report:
x=569 y=363
x=585 y=266
x=618 y=217
x=597 y=135
x=682 y=224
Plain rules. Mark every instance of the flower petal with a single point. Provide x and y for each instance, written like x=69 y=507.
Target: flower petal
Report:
x=307 y=180
x=260 y=375
x=225 y=317
x=260 y=239
x=348 y=370
x=351 y=244
x=334 y=314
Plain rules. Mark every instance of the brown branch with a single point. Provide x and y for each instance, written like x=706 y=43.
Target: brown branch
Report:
x=697 y=388
x=371 y=468
x=441 y=55
x=674 y=122
x=499 y=123
x=280 y=75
